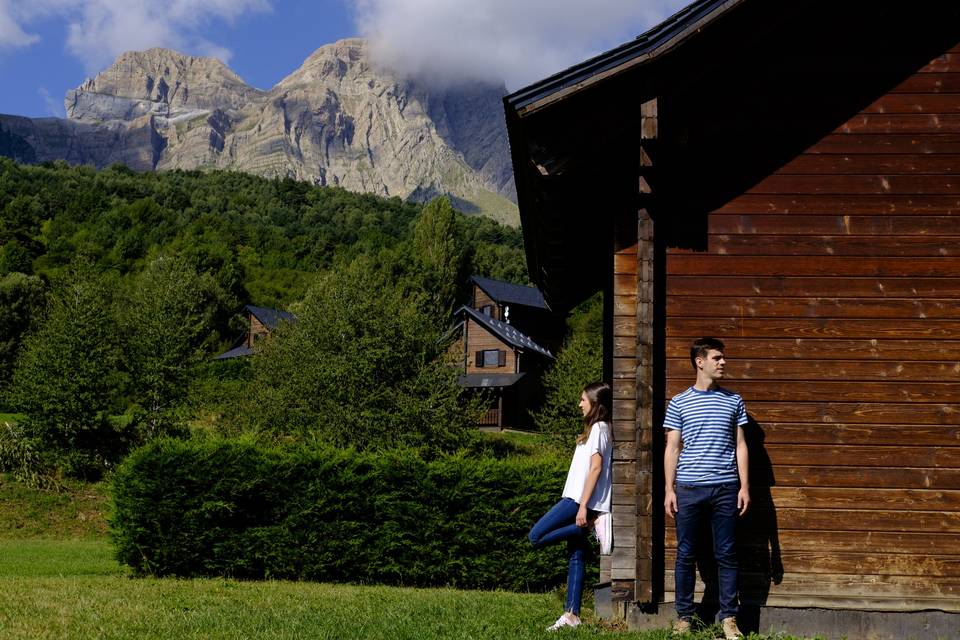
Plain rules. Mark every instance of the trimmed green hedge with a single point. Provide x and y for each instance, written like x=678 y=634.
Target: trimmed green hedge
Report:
x=229 y=508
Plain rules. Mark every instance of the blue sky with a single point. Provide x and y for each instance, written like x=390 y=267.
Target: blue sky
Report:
x=50 y=46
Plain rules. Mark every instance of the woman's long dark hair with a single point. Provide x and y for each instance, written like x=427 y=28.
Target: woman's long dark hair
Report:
x=599 y=394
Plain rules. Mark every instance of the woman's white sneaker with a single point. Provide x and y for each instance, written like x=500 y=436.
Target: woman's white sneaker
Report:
x=563 y=622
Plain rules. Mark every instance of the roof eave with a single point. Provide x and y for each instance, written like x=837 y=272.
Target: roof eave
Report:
x=477 y=280
x=505 y=340
x=646 y=48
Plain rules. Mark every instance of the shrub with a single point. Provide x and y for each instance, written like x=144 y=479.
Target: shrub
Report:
x=232 y=508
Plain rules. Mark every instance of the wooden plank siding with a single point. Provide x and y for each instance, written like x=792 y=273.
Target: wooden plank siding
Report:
x=257 y=330
x=479 y=339
x=630 y=568
x=481 y=299
x=645 y=374
x=835 y=283
x=620 y=568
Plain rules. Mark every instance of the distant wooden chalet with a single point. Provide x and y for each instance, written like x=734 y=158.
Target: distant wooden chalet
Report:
x=497 y=355
x=261 y=321
x=784 y=176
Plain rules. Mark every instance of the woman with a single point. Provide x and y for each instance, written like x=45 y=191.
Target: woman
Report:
x=586 y=497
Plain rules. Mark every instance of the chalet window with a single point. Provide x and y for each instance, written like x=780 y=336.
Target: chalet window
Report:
x=487 y=310
x=491 y=358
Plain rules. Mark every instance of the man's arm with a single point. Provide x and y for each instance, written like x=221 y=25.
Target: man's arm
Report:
x=670 y=457
x=743 y=465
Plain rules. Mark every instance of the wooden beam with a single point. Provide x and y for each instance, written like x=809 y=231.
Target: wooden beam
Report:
x=643 y=591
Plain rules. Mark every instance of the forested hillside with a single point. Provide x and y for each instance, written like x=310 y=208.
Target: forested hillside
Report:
x=116 y=288
x=262 y=237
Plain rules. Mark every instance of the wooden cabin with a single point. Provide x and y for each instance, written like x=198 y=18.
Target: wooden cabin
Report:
x=785 y=177
x=499 y=356
x=261 y=321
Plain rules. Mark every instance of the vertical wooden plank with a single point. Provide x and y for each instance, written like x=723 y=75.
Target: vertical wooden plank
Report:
x=622 y=564
x=644 y=368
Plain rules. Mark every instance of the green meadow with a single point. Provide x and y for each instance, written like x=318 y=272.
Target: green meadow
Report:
x=59 y=580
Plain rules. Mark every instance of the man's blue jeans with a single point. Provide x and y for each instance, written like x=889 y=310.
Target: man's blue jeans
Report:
x=695 y=506
x=557 y=525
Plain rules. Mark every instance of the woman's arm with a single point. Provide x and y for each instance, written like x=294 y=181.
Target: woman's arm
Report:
x=596 y=465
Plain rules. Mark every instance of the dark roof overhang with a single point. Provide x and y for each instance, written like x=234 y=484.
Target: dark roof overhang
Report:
x=510 y=293
x=236 y=352
x=507 y=333
x=487 y=380
x=642 y=50
x=271 y=318
x=574 y=140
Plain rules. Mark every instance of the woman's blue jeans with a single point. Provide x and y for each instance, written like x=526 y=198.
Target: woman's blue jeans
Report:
x=558 y=525
x=695 y=506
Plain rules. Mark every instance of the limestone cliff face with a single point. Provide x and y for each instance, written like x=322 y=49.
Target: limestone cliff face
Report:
x=159 y=82
x=336 y=120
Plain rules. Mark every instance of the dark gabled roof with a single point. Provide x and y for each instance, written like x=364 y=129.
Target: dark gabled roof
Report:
x=509 y=293
x=505 y=332
x=555 y=153
x=647 y=46
x=236 y=352
x=270 y=318
x=478 y=380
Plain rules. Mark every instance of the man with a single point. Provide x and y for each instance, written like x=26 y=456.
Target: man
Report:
x=706 y=458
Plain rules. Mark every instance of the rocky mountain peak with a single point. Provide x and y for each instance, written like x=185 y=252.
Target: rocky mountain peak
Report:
x=350 y=51
x=337 y=120
x=157 y=81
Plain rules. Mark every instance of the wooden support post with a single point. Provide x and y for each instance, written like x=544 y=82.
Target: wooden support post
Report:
x=643 y=591
x=620 y=569
x=500 y=410
x=629 y=569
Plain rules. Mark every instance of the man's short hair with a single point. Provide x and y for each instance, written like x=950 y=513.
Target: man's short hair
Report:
x=701 y=347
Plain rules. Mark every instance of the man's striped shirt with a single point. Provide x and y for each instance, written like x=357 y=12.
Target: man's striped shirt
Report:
x=707 y=421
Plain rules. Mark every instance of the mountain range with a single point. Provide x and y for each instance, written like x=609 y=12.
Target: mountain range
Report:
x=338 y=120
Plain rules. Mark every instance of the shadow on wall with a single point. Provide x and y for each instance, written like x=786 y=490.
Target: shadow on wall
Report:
x=758 y=543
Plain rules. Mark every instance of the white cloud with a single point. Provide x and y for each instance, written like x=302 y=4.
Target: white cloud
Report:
x=12 y=35
x=100 y=30
x=518 y=41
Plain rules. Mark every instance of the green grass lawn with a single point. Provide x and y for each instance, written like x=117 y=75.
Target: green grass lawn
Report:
x=91 y=606
x=59 y=579
x=57 y=558
x=75 y=589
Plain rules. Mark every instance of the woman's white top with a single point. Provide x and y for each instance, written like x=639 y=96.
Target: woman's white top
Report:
x=600 y=442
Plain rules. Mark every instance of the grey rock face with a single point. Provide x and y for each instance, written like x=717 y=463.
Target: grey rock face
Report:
x=161 y=82
x=135 y=143
x=337 y=120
